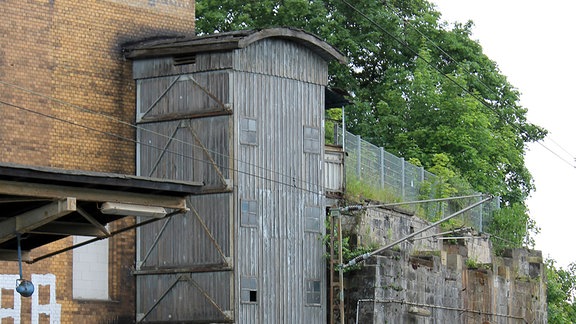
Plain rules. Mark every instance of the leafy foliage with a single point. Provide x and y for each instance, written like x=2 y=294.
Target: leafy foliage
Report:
x=421 y=88
x=512 y=228
x=333 y=118
x=349 y=251
x=560 y=293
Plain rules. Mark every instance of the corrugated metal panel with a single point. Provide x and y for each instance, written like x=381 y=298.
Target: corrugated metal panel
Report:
x=283 y=179
x=283 y=59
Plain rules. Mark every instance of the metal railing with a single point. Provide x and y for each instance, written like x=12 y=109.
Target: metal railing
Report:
x=375 y=167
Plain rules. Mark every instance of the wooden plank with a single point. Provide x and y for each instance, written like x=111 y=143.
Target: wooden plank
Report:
x=208 y=112
x=12 y=255
x=68 y=228
x=88 y=194
x=96 y=224
x=285 y=95
x=280 y=85
x=164 y=66
x=98 y=180
x=185 y=159
x=30 y=220
x=191 y=269
x=194 y=93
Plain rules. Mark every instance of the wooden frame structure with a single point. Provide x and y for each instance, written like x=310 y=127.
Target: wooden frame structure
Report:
x=47 y=204
x=242 y=113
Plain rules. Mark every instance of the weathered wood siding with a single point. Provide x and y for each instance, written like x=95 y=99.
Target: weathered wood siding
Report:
x=280 y=87
x=164 y=66
x=182 y=297
x=180 y=259
x=267 y=136
x=190 y=150
x=334 y=170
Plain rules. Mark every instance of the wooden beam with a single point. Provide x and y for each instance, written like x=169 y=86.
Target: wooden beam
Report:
x=12 y=255
x=30 y=220
x=68 y=228
x=220 y=267
x=41 y=190
x=211 y=112
x=95 y=223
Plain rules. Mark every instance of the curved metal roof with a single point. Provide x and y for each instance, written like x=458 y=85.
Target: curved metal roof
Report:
x=229 y=41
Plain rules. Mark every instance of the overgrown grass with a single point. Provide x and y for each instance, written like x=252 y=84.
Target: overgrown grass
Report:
x=359 y=191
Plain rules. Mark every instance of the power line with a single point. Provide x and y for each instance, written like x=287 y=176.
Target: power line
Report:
x=557 y=155
x=479 y=80
x=476 y=97
x=292 y=184
x=137 y=127
x=562 y=148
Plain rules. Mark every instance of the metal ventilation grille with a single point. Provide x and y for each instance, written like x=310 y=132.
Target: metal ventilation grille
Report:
x=184 y=59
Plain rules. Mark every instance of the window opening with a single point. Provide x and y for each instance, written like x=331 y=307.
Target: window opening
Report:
x=311 y=140
x=249 y=290
x=312 y=216
x=313 y=292
x=248 y=131
x=249 y=213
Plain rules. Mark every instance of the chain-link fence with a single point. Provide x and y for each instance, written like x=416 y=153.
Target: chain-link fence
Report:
x=404 y=182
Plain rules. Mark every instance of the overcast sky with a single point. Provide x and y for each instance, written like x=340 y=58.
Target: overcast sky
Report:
x=533 y=44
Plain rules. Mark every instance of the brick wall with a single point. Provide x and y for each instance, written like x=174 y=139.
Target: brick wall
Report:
x=71 y=51
x=69 y=101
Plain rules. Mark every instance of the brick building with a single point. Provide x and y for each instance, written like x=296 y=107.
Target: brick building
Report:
x=67 y=101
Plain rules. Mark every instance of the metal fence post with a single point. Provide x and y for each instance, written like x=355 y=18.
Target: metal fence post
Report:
x=403 y=178
x=422 y=174
x=382 y=170
x=359 y=157
x=481 y=222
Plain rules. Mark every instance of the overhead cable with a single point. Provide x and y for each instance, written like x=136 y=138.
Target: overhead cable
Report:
x=291 y=184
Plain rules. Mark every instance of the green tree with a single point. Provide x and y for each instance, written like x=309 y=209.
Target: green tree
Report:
x=511 y=228
x=560 y=293
x=420 y=87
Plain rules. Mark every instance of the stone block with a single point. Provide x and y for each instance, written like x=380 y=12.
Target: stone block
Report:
x=454 y=261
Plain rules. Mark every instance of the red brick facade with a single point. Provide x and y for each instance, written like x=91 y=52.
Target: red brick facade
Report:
x=67 y=101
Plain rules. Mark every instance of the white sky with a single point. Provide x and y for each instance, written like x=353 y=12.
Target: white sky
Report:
x=533 y=43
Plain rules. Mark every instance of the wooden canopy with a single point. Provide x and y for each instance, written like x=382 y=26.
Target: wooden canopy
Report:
x=45 y=204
